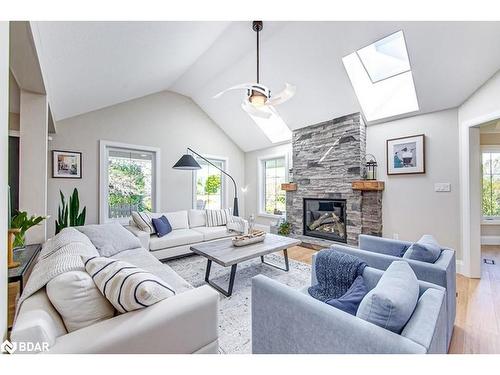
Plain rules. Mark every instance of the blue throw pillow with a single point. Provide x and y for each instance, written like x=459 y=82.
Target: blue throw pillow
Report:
x=426 y=249
x=162 y=226
x=350 y=301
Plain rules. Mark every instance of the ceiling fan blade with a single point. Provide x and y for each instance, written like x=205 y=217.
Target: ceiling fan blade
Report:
x=254 y=111
x=282 y=96
x=241 y=86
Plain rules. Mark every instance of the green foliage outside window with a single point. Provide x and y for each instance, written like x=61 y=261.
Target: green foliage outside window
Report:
x=127 y=185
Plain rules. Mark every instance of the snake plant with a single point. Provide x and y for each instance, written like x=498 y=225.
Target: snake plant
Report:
x=68 y=213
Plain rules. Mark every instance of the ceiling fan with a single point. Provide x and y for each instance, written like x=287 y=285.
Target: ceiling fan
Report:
x=258 y=101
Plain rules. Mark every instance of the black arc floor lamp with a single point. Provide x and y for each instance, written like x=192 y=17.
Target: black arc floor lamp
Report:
x=188 y=163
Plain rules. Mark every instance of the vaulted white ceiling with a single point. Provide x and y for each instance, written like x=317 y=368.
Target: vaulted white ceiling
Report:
x=90 y=65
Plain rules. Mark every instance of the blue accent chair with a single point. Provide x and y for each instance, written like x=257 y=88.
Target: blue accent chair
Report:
x=286 y=320
x=380 y=252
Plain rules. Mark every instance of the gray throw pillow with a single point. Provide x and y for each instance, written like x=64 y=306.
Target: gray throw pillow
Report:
x=426 y=249
x=110 y=239
x=392 y=302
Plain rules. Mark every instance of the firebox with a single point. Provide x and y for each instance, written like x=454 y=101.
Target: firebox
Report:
x=325 y=218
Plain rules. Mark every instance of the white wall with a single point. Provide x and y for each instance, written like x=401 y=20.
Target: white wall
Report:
x=4 y=137
x=33 y=161
x=166 y=120
x=411 y=207
x=252 y=179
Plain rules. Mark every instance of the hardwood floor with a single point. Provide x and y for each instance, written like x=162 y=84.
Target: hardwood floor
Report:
x=477 y=325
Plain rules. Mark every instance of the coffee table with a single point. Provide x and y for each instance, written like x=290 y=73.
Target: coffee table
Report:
x=224 y=253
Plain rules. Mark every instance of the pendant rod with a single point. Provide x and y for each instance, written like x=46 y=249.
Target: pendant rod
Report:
x=258 y=55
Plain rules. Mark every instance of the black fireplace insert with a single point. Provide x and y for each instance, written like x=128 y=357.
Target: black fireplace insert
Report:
x=325 y=218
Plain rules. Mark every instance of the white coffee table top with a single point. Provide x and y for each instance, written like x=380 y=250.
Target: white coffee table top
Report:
x=223 y=251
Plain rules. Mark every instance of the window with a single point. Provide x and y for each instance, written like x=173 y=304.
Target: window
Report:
x=273 y=199
x=209 y=185
x=382 y=79
x=273 y=126
x=128 y=180
x=491 y=183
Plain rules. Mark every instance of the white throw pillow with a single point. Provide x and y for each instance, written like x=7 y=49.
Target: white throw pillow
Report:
x=217 y=218
x=197 y=218
x=143 y=221
x=126 y=286
x=76 y=298
x=178 y=219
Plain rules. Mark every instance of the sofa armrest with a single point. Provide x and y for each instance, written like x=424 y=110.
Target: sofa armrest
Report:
x=285 y=320
x=184 y=323
x=383 y=245
x=140 y=234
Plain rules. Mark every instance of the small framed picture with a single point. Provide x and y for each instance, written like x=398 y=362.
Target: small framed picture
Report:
x=406 y=155
x=66 y=164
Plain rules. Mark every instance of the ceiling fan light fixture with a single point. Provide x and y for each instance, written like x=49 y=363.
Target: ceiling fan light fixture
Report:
x=257 y=98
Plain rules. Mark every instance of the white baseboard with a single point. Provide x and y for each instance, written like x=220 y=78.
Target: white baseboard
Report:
x=490 y=240
x=459 y=264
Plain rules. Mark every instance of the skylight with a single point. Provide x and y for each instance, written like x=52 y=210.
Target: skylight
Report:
x=382 y=79
x=273 y=127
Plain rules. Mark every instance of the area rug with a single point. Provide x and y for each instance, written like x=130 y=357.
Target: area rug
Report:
x=235 y=312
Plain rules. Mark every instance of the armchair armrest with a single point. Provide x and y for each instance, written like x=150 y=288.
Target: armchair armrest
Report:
x=285 y=320
x=238 y=224
x=140 y=234
x=185 y=323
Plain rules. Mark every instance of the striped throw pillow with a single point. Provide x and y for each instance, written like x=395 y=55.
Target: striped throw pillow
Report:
x=127 y=287
x=144 y=221
x=217 y=218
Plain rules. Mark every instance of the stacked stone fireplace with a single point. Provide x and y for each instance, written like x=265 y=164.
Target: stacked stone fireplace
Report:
x=325 y=205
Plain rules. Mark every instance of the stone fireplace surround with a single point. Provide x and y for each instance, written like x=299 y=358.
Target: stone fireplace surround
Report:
x=333 y=176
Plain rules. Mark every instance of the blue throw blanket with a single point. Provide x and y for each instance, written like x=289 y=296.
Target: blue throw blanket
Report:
x=335 y=272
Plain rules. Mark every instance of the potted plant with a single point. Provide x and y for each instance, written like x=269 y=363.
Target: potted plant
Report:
x=69 y=214
x=285 y=228
x=22 y=223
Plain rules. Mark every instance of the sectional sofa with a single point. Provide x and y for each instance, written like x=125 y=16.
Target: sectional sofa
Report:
x=184 y=323
x=188 y=227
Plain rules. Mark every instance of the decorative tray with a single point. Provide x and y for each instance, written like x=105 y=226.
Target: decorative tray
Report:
x=248 y=239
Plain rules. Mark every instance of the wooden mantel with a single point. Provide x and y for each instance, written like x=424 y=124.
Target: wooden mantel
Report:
x=368 y=185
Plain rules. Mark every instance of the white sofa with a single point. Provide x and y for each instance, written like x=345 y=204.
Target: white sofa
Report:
x=184 y=323
x=188 y=228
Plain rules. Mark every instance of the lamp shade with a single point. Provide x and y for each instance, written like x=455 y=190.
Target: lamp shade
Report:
x=187 y=162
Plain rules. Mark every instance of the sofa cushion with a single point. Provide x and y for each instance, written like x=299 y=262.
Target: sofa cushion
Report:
x=218 y=217
x=197 y=218
x=426 y=249
x=162 y=226
x=143 y=220
x=145 y=260
x=350 y=301
x=212 y=233
x=125 y=285
x=77 y=299
x=37 y=321
x=392 y=302
x=110 y=239
x=177 y=237
x=177 y=219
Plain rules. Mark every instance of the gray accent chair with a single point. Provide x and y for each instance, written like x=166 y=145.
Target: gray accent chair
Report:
x=289 y=321
x=380 y=252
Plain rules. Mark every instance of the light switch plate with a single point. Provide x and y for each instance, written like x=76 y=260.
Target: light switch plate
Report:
x=442 y=187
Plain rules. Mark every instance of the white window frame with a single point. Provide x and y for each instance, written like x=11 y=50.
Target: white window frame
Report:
x=488 y=220
x=261 y=178
x=104 y=146
x=225 y=163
